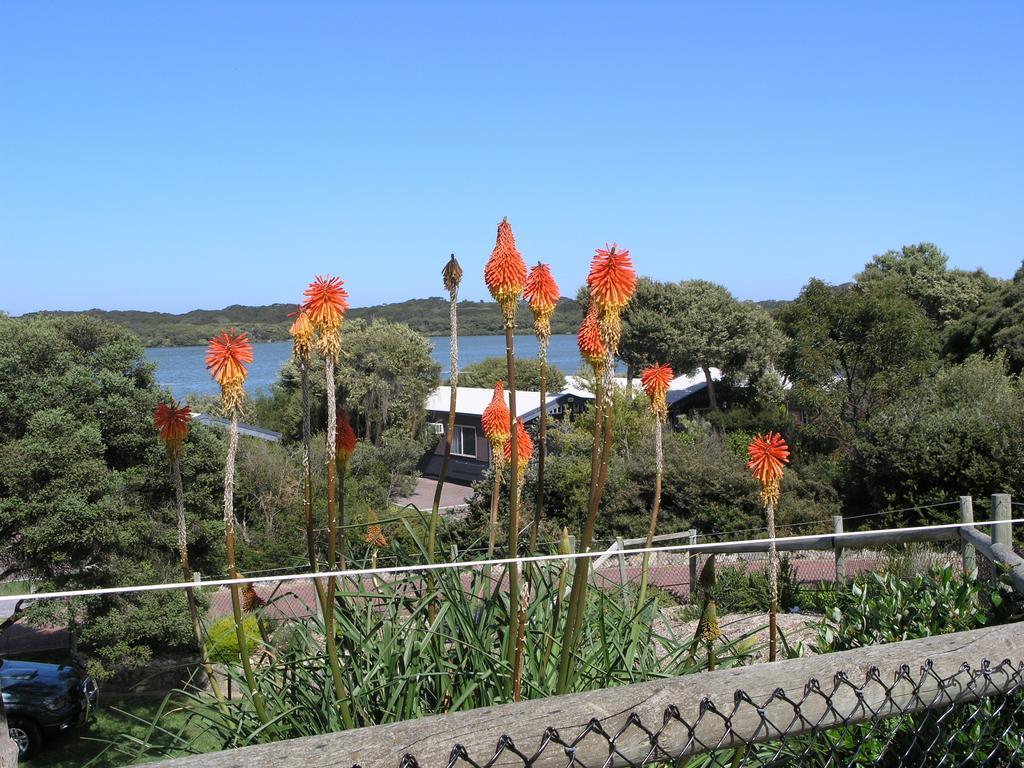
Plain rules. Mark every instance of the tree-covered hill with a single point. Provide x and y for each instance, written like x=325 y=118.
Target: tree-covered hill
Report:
x=270 y=322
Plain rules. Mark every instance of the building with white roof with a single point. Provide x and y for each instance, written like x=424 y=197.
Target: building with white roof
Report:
x=471 y=455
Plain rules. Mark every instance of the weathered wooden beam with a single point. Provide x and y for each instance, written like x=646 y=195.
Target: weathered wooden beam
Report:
x=832 y=689
x=997 y=553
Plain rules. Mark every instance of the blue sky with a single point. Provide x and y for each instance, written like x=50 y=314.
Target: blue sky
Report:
x=176 y=155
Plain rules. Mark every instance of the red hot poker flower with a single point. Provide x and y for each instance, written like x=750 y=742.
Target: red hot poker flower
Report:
x=345 y=438
x=612 y=279
x=496 y=421
x=542 y=295
x=524 y=445
x=226 y=357
x=326 y=304
x=591 y=346
x=505 y=272
x=768 y=453
x=171 y=421
x=655 y=380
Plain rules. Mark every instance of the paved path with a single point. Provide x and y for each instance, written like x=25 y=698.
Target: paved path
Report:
x=452 y=495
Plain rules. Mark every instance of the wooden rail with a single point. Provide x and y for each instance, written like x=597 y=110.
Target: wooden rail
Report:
x=431 y=740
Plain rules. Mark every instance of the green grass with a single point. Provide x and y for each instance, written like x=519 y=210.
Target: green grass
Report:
x=88 y=742
x=14 y=588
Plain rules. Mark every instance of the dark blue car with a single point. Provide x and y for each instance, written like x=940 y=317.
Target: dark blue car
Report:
x=42 y=700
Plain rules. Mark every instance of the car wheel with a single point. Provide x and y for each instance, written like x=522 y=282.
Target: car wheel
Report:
x=25 y=734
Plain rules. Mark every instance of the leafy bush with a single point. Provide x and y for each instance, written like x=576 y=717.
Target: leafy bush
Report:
x=222 y=640
x=884 y=608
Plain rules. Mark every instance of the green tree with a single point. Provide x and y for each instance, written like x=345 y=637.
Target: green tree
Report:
x=492 y=369
x=851 y=350
x=384 y=379
x=954 y=434
x=85 y=497
x=920 y=273
x=997 y=326
x=697 y=325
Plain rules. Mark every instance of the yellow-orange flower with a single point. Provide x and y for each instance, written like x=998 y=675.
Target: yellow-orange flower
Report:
x=496 y=422
x=591 y=346
x=345 y=438
x=226 y=357
x=612 y=283
x=524 y=450
x=302 y=336
x=542 y=295
x=505 y=273
x=768 y=453
x=171 y=421
x=655 y=380
x=326 y=304
x=612 y=279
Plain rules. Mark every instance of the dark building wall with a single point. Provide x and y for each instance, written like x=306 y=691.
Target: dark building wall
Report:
x=460 y=468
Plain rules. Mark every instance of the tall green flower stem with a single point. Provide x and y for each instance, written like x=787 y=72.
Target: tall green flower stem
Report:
x=307 y=476
x=332 y=538
x=190 y=595
x=229 y=535
x=659 y=469
x=513 y=501
x=452 y=276
x=577 y=596
x=538 y=511
x=773 y=585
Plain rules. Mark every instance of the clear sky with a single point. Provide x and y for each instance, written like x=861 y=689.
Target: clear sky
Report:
x=174 y=155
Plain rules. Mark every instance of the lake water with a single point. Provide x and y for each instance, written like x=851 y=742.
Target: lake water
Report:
x=183 y=369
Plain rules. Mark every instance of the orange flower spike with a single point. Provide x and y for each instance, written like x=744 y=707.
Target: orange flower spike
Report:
x=345 y=438
x=655 y=380
x=612 y=279
x=524 y=445
x=326 y=304
x=542 y=295
x=496 y=421
x=591 y=346
x=171 y=421
x=505 y=273
x=524 y=448
x=302 y=335
x=226 y=357
x=768 y=453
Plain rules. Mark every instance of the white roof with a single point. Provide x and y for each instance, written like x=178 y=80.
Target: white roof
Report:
x=681 y=385
x=471 y=401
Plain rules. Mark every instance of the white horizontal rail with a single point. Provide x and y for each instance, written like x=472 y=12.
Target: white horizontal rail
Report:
x=919 y=533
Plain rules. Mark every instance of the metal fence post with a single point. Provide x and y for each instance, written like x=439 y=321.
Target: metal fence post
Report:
x=691 y=561
x=837 y=527
x=967 y=549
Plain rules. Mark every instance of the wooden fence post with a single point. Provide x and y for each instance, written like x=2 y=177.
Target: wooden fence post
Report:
x=967 y=549
x=837 y=527
x=1001 y=512
x=1001 y=532
x=691 y=561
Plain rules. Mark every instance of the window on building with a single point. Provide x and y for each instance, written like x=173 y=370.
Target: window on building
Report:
x=464 y=441
x=436 y=428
